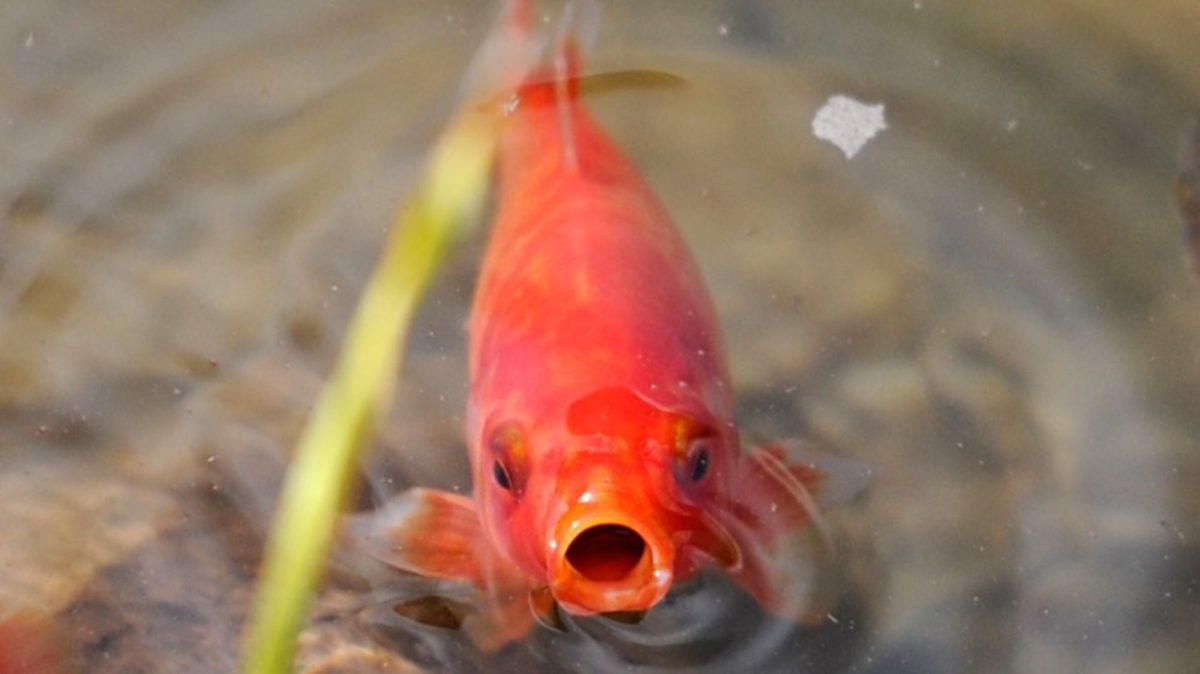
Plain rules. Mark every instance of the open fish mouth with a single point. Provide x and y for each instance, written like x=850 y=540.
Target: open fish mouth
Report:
x=607 y=553
x=605 y=562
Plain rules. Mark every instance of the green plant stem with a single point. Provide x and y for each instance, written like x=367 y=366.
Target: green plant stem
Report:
x=448 y=200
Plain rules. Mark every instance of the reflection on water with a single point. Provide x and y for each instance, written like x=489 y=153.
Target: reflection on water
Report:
x=990 y=303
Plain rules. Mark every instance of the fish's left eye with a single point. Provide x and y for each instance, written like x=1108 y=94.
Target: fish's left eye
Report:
x=694 y=449
x=500 y=473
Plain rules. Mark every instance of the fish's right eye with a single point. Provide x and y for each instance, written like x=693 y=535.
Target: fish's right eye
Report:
x=500 y=473
x=700 y=464
x=507 y=444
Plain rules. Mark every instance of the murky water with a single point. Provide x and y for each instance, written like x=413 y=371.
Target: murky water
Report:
x=990 y=303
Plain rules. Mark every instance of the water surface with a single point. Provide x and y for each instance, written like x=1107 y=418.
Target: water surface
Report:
x=990 y=303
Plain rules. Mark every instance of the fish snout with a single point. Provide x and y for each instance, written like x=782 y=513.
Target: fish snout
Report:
x=605 y=558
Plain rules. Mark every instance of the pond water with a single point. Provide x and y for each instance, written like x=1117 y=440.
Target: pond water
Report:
x=990 y=303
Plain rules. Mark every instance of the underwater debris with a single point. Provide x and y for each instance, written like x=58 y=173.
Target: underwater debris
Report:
x=848 y=123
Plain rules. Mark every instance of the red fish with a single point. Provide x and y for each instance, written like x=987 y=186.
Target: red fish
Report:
x=30 y=644
x=607 y=466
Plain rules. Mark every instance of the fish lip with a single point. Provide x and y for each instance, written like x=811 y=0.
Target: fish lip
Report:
x=646 y=585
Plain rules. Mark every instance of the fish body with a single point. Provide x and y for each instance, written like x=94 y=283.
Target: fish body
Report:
x=30 y=644
x=596 y=361
x=605 y=459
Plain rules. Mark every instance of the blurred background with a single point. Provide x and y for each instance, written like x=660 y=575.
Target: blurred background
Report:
x=991 y=303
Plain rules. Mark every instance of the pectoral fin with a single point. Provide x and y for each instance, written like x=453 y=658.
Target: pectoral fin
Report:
x=430 y=533
x=795 y=480
x=775 y=517
x=437 y=534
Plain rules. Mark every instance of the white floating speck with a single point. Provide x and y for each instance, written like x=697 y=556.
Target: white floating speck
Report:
x=848 y=123
x=29 y=40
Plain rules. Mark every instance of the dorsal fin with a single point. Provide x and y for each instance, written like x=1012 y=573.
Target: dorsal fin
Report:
x=577 y=17
x=566 y=92
x=557 y=83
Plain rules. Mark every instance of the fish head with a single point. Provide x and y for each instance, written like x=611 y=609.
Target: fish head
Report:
x=609 y=542
x=612 y=506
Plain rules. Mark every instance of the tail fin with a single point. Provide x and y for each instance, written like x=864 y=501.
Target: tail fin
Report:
x=508 y=62
x=507 y=56
x=577 y=30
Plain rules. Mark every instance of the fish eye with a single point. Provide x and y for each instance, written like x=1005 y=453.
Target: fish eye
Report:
x=700 y=463
x=694 y=449
x=500 y=473
x=507 y=444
